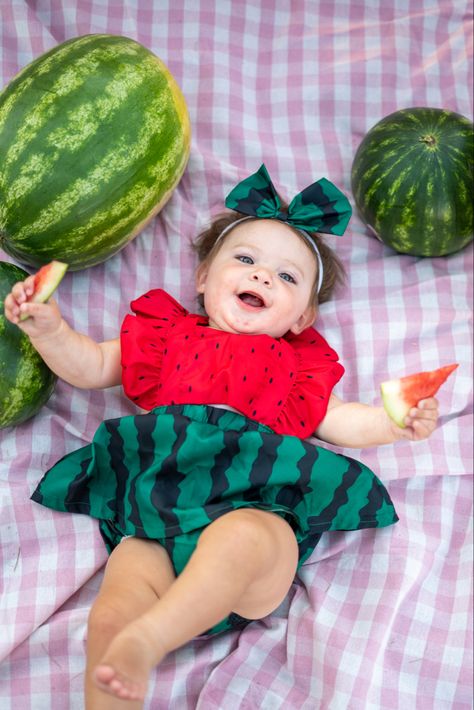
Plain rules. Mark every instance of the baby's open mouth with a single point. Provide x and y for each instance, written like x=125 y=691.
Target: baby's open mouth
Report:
x=251 y=299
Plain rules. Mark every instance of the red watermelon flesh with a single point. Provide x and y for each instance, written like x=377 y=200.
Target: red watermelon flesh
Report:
x=399 y=396
x=46 y=281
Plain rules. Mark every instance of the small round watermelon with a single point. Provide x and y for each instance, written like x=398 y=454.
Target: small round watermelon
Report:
x=94 y=137
x=26 y=383
x=412 y=181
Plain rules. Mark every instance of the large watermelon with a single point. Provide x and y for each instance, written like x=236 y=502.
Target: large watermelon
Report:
x=412 y=180
x=94 y=136
x=26 y=383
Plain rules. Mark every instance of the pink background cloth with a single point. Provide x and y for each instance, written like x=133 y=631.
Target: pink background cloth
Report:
x=378 y=619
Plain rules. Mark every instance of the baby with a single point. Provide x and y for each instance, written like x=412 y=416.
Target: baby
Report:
x=214 y=494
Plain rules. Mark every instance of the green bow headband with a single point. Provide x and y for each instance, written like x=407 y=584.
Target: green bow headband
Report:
x=320 y=207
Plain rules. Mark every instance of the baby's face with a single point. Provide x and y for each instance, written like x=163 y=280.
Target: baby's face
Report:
x=260 y=281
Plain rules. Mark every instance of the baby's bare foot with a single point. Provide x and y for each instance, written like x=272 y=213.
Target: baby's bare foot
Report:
x=126 y=665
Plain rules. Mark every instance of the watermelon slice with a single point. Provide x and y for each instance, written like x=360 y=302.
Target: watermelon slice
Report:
x=399 y=396
x=47 y=279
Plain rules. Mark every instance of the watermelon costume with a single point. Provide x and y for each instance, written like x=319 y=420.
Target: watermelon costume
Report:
x=167 y=474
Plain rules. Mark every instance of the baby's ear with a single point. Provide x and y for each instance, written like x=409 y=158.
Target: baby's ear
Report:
x=201 y=277
x=305 y=320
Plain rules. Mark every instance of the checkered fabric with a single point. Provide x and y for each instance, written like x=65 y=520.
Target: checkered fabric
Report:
x=376 y=619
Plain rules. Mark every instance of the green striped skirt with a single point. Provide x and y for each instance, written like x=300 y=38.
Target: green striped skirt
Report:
x=167 y=474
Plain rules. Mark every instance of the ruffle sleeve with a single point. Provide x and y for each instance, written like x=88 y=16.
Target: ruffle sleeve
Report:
x=318 y=371
x=143 y=339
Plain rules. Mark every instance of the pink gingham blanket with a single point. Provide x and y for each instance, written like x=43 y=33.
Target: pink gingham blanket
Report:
x=377 y=620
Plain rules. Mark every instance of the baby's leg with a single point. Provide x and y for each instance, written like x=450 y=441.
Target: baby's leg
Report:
x=244 y=562
x=138 y=572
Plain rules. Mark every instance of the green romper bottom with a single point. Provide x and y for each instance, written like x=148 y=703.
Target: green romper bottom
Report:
x=166 y=475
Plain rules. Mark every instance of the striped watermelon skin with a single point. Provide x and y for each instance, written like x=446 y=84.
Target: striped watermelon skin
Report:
x=26 y=383
x=412 y=181
x=94 y=137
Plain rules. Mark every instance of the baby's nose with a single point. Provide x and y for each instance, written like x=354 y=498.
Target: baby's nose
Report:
x=262 y=277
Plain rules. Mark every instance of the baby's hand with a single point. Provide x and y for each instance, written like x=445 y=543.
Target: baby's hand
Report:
x=420 y=422
x=44 y=318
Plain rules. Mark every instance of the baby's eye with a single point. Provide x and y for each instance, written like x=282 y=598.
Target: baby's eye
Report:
x=245 y=259
x=287 y=277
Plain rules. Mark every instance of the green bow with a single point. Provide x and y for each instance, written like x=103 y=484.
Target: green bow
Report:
x=320 y=207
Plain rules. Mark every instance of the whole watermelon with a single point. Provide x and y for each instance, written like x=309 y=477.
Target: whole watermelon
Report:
x=94 y=136
x=412 y=180
x=26 y=383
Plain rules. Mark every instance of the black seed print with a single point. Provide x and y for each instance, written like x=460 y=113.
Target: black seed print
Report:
x=270 y=380
x=253 y=350
x=291 y=374
x=165 y=351
x=227 y=388
x=196 y=356
x=186 y=337
x=302 y=423
x=280 y=403
x=279 y=354
x=178 y=366
x=135 y=399
x=190 y=389
x=217 y=346
x=273 y=347
x=266 y=369
x=254 y=412
x=244 y=378
x=251 y=400
x=142 y=377
x=124 y=331
x=310 y=377
x=301 y=396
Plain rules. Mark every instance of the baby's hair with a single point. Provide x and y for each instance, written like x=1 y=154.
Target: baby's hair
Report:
x=207 y=244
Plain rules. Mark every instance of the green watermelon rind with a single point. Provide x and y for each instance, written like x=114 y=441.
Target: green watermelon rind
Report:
x=393 y=402
x=26 y=382
x=416 y=195
x=94 y=137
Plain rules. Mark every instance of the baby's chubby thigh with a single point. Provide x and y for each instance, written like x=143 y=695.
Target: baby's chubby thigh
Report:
x=261 y=548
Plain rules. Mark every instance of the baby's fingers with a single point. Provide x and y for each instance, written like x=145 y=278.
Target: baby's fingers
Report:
x=22 y=290
x=12 y=308
x=19 y=294
x=425 y=409
x=422 y=418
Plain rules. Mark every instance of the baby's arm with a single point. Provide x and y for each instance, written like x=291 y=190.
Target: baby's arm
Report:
x=74 y=357
x=359 y=426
